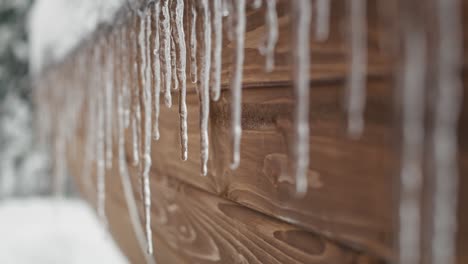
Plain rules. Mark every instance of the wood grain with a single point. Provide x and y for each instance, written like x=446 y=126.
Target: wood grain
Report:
x=251 y=214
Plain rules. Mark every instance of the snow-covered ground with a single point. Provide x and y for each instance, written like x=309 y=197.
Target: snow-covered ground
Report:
x=49 y=231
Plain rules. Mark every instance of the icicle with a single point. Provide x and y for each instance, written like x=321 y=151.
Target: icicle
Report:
x=357 y=72
x=126 y=96
x=204 y=83
x=449 y=89
x=127 y=184
x=225 y=7
x=193 y=42
x=236 y=82
x=109 y=85
x=413 y=96
x=145 y=27
x=135 y=139
x=179 y=47
x=217 y=50
x=165 y=34
x=175 y=81
x=156 y=71
x=228 y=10
x=101 y=170
x=322 y=29
x=267 y=48
x=256 y=4
x=301 y=12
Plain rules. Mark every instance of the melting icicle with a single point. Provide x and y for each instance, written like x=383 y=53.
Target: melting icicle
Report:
x=175 y=81
x=125 y=77
x=413 y=96
x=256 y=4
x=204 y=83
x=165 y=34
x=101 y=170
x=357 y=75
x=267 y=48
x=109 y=85
x=156 y=72
x=322 y=29
x=179 y=47
x=225 y=7
x=193 y=42
x=301 y=12
x=127 y=184
x=217 y=49
x=448 y=91
x=144 y=40
x=236 y=82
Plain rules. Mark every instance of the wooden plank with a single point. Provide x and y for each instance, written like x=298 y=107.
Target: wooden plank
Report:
x=193 y=226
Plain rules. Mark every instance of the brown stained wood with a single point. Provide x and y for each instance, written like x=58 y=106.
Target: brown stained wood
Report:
x=353 y=184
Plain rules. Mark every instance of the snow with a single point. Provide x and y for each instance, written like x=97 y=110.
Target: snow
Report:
x=57 y=26
x=46 y=231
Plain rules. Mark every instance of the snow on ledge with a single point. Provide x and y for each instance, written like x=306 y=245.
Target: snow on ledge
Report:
x=57 y=26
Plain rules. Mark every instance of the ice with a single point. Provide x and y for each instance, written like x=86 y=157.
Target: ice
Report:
x=204 y=82
x=236 y=82
x=301 y=12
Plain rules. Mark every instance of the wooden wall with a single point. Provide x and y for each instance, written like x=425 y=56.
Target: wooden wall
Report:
x=251 y=215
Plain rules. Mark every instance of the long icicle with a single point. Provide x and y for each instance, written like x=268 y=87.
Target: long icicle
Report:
x=127 y=185
x=301 y=56
x=101 y=170
x=193 y=42
x=447 y=109
x=181 y=65
x=413 y=97
x=109 y=91
x=357 y=72
x=322 y=29
x=215 y=78
x=236 y=82
x=156 y=71
x=204 y=84
x=165 y=34
x=267 y=48
x=144 y=40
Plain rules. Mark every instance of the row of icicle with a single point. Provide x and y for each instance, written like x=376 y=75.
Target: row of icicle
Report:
x=134 y=68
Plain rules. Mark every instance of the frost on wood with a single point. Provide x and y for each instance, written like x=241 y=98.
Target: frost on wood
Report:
x=301 y=11
x=357 y=71
x=236 y=81
x=204 y=82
